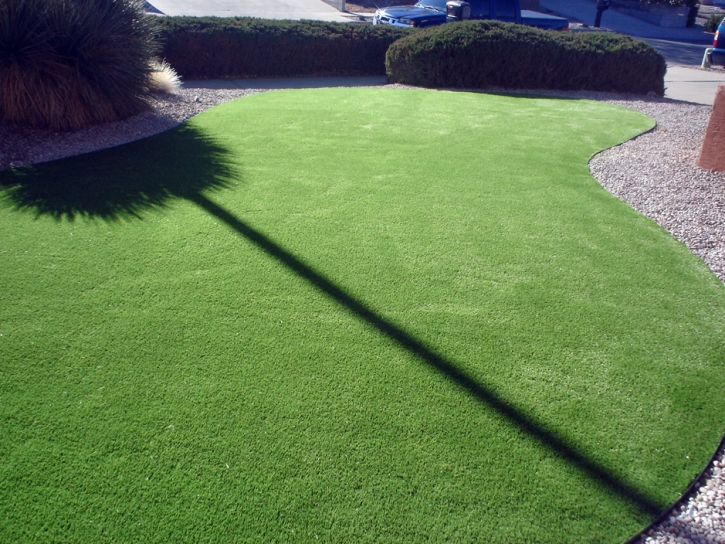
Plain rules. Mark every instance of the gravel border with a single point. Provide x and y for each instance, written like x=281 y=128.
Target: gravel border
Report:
x=21 y=146
x=654 y=173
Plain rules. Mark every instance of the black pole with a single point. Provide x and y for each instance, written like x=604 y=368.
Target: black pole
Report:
x=598 y=20
x=602 y=5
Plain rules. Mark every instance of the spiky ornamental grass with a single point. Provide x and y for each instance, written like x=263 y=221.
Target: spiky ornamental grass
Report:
x=66 y=64
x=163 y=78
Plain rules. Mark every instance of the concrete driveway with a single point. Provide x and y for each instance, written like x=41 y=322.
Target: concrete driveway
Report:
x=265 y=9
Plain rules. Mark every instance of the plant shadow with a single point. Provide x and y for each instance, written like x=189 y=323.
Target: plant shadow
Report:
x=123 y=182
x=185 y=163
x=641 y=500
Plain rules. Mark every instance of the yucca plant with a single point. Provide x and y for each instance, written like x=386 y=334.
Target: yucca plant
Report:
x=163 y=79
x=67 y=64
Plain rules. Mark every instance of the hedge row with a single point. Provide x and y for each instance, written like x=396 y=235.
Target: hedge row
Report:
x=491 y=54
x=210 y=47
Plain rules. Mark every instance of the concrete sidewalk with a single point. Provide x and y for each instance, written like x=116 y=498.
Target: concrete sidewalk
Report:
x=265 y=9
x=693 y=85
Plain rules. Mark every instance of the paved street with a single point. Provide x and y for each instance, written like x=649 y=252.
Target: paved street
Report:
x=683 y=48
x=680 y=53
x=585 y=11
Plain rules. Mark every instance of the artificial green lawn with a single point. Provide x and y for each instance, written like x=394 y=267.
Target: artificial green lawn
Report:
x=352 y=315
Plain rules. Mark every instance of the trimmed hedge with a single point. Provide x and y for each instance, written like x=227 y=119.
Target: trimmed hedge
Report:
x=491 y=54
x=212 y=47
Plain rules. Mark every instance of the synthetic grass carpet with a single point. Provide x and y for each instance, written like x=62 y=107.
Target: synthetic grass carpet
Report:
x=350 y=315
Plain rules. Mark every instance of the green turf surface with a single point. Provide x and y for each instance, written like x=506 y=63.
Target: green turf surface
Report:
x=352 y=315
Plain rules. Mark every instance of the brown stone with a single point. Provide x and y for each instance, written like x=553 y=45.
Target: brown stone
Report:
x=712 y=154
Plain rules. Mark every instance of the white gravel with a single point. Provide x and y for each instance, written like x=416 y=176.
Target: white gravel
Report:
x=654 y=173
x=20 y=146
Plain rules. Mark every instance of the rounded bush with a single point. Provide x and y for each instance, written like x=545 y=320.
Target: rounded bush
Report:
x=67 y=64
x=491 y=54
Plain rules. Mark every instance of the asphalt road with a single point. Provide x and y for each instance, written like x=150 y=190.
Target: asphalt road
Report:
x=683 y=48
x=679 y=53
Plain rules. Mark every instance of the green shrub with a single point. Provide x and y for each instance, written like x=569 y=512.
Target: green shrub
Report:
x=68 y=64
x=491 y=54
x=713 y=22
x=210 y=47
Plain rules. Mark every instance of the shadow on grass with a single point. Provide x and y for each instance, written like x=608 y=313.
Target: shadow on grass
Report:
x=184 y=163
x=123 y=182
x=609 y=481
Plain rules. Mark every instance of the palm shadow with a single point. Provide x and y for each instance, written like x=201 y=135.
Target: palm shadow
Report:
x=642 y=501
x=122 y=182
x=185 y=163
